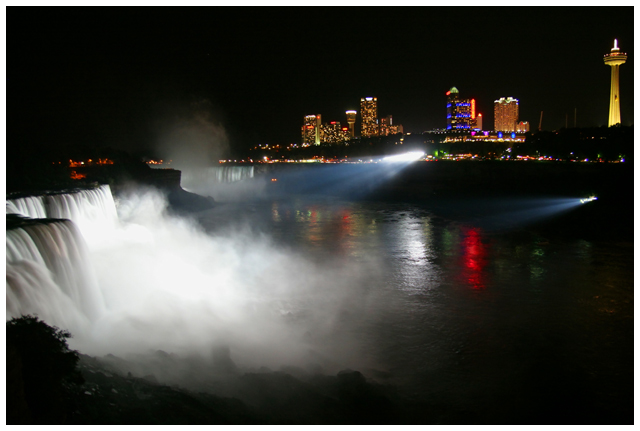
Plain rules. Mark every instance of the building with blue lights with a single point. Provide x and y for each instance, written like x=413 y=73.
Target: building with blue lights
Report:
x=460 y=112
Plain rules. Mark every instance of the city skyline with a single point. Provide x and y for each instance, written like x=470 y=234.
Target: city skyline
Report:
x=72 y=78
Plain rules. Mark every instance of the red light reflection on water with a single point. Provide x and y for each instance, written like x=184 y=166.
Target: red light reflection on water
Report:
x=474 y=258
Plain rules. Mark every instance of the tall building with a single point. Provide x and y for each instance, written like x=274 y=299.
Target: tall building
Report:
x=351 y=121
x=385 y=125
x=369 y=112
x=311 y=130
x=460 y=112
x=388 y=128
x=478 y=122
x=332 y=133
x=615 y=59
x=345 y=134
x=505 y=114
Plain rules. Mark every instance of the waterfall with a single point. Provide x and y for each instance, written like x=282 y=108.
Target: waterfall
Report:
x=30 y=206
x=217 y=175
x=154 y=280
x=231 y=174
x=80 y=206
x=85 y=206
x=223 y=183
x=48 y=269
x=48 y=274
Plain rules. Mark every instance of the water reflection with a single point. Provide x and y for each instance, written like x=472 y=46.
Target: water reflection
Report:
x=452 y=309
x=275 y=214
x=474 y=257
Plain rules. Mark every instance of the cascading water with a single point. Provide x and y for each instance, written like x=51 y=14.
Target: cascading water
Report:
x=48 y=269
x=82 y=206
x=217 y=174
x=223 y=183
x=30 y=206
x=231 y=174
x=48 y=274
x=162 y=283
x=95 y=206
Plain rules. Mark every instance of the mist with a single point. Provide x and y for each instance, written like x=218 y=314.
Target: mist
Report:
x=169 y=286
x=192 y=136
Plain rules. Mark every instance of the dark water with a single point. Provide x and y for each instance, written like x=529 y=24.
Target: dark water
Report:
x=493 y=326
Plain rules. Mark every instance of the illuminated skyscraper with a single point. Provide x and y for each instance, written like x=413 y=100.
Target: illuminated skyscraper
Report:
x=351 y=121
x=369 y=112
x=460 y=112
x=478 y=122
x=385 y=125
x=332 y=133
x=311 y=130
x=505 y=114
x=615 y=59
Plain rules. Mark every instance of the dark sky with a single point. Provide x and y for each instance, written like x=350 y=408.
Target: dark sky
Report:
x=119 y=76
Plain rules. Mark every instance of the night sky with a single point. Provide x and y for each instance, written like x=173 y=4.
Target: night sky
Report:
x=121 y=76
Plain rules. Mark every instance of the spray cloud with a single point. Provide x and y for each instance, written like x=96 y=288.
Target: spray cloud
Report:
x=168 y=285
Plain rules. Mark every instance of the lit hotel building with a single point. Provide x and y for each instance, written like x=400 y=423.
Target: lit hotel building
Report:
x=333 y=133
x=311 y=130
x=461 y=113
x=369 y=112
x=505 y=114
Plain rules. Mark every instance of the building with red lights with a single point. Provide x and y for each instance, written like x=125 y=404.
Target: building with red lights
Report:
x=461 y=113
x=311 y=130
x=334 y=133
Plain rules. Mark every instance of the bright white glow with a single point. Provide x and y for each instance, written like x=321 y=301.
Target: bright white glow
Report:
x=589 y=199
x=406 y=157
x=156 y=281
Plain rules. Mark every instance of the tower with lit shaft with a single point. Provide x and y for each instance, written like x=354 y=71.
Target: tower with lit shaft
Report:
x=615 y=59
x=351 y=121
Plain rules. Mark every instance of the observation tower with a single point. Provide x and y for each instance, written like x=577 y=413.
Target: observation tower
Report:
x=615 y=59
x=351 y=120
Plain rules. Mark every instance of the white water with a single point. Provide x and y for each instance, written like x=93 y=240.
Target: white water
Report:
x=49 y=274
x=223 y=183
x=151 y=281
x=82 y=206
x=30 y=206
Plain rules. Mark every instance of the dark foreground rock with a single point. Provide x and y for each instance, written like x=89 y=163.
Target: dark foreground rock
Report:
x=266 y=397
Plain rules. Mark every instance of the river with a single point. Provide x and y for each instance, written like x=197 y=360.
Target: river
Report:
x=501 y=325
